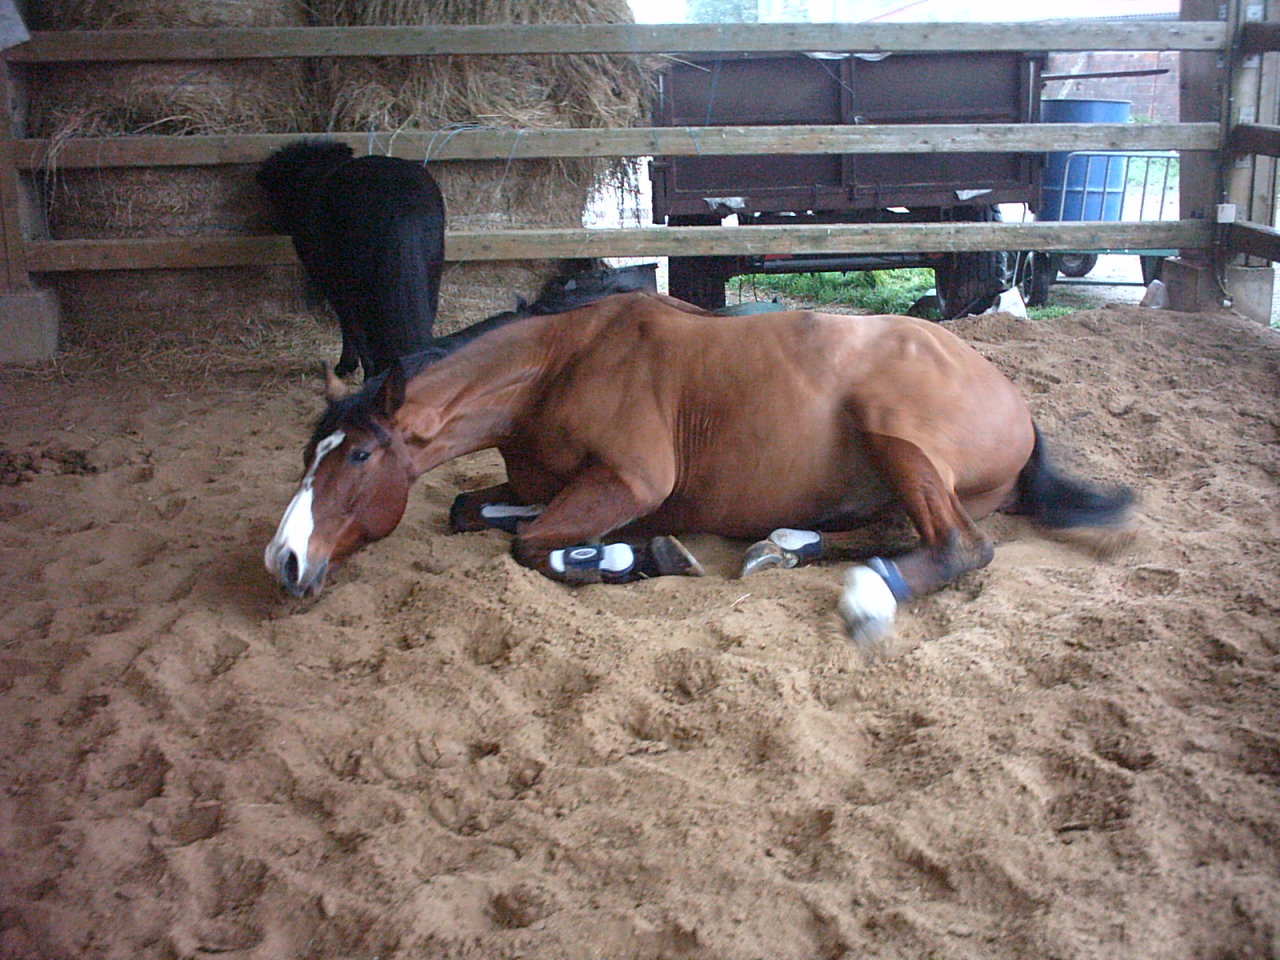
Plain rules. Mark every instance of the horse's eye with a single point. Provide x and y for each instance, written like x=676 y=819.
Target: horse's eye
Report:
x=358 y=456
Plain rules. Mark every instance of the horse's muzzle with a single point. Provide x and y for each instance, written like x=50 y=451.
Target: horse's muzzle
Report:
x=296 y=577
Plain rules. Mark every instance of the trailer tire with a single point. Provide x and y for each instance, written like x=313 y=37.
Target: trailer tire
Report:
x=969 y=283
x=1036 y=275
x=1076 y=264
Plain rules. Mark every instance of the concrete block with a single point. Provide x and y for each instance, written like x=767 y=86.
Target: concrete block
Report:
x=1251 y=291
x=28 y=326
x=1192 y=286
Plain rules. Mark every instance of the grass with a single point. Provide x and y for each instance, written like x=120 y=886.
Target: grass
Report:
x=876 y=291
x=1157 y=172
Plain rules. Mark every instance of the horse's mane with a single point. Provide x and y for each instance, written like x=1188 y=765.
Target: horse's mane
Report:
x=360 y=410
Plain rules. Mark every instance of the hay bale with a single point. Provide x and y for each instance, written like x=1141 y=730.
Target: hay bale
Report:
x=173 y=98
x=161 y=14
x=179 y=98
x=96 y=204
x=171 y=324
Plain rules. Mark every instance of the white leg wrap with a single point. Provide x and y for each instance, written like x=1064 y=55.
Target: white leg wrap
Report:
x=867 y=606
x=592 y=562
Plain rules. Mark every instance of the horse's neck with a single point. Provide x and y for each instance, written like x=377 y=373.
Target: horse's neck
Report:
x=471 y=399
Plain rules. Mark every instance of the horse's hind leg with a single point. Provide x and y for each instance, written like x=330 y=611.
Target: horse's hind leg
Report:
x=949 y=544
x=841 y=538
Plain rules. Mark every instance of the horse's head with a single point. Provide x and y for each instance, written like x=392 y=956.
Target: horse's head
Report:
x=354 y=490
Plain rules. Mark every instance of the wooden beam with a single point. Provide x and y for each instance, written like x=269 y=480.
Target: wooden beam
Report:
x=1252 y=239
x=13 y=268
x=480 y=144
x=444 y=40
x=64 y=255
x=1255 y=138
x=1202 y=90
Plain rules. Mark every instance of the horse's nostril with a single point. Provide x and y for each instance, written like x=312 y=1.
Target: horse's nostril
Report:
x=289 y=568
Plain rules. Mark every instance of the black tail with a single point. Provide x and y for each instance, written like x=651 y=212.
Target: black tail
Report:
x=1059 y=502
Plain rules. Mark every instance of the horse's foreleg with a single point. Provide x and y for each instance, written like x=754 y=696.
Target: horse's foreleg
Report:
x=950 y=545
x=563 y=542
x=350 y=358
x=493 y=507
x=351 y=314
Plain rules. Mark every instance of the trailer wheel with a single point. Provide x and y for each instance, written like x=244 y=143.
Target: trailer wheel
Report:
x=970 y=282
x=1076 y=264
x=1035 y=276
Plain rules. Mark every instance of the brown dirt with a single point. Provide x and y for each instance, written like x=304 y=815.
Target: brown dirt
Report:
x=449 y=756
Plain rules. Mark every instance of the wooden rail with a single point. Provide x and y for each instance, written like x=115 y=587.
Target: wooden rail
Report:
x=508 y=144
x=1255 y=138
x=557 y=39
x=142 y=254
x=1253 y=239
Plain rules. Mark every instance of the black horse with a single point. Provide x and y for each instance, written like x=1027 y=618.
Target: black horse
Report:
x=370 y=234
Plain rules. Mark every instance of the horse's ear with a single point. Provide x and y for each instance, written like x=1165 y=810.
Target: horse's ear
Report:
x=334 y=388
x=391 y=393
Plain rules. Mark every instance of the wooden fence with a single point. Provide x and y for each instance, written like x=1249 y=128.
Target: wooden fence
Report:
x=1218 y=138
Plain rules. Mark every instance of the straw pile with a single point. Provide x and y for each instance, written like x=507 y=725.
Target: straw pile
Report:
x=170 y=98
x=437 y=93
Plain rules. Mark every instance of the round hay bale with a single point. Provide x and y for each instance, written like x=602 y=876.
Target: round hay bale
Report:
x=176 y=98
x=142 y=14
x=164 y=323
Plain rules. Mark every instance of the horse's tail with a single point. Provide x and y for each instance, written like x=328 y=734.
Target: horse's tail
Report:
x=1059 y=502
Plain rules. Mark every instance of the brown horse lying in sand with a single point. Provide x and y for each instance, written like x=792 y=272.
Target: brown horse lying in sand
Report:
x=643 y=417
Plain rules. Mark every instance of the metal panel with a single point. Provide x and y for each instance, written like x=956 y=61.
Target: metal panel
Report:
x=747 y=90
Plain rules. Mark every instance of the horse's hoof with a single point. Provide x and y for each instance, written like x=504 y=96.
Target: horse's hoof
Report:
x=672 y=558
x=785 y=548
x=764 y=555
x=867 y=607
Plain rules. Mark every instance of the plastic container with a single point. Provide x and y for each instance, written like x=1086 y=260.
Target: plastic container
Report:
x=1087 y=184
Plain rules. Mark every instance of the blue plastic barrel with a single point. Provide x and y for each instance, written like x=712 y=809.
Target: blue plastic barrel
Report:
x=1088 y=185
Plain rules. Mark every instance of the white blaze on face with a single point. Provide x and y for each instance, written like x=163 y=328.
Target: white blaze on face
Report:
x=294 y=533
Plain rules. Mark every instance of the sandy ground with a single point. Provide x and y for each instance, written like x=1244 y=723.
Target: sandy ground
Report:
x=449 y=756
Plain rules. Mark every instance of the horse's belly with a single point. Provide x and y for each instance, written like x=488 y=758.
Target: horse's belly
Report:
x=775 y=494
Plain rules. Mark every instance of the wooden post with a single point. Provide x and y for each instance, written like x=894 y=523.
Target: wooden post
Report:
x=1202 y=96
x=14 y=277
x=28 y=317
x=1262 y=207
x=1248 y=179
